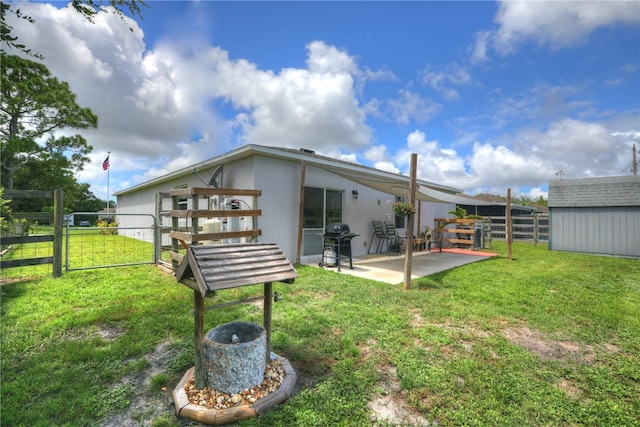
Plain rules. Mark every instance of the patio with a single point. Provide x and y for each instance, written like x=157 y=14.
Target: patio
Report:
x=390 y=268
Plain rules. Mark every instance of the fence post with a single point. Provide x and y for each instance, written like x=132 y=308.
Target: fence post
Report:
x=58 y=219
x=509 y=225
x=157 y=232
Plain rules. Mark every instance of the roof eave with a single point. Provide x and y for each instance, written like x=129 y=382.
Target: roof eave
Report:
x=312 y=159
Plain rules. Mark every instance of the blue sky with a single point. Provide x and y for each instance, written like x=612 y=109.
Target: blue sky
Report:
x=490 y=95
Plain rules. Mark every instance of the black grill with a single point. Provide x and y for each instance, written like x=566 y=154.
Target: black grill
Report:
x=337 y=237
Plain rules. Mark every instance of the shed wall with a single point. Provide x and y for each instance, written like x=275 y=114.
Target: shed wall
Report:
x=598 y=230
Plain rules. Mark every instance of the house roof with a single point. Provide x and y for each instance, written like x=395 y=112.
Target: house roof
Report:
x=595 y=192
x=387 y=182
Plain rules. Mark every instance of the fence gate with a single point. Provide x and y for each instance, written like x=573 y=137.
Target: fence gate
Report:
x=98 y=240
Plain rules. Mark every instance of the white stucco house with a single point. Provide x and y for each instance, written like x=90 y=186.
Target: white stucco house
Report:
x=333 y=191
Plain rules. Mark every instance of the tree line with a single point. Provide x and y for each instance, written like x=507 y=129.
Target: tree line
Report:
x=34 y=107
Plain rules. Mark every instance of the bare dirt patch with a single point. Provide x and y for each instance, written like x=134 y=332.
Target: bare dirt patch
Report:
x=389 y=405
x=547 y=348
x=568 y=388
x=417 y=320
x=145 y=406
x=110 y=333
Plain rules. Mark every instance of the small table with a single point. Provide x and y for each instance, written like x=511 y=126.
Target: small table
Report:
x=418 y=244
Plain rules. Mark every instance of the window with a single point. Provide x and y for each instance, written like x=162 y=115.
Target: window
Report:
x=313 y=207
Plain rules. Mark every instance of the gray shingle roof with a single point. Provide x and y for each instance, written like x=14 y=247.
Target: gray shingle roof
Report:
x=595 y=192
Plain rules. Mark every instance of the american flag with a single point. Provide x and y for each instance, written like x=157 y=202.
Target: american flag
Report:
x=105 y=164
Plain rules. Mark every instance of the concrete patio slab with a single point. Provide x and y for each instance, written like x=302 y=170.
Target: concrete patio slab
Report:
x=390 y=268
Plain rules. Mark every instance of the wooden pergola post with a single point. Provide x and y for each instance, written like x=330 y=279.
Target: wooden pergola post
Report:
x=410 y=220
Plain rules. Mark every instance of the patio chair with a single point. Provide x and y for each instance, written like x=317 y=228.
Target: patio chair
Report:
x=380 y=233
x=394 y=240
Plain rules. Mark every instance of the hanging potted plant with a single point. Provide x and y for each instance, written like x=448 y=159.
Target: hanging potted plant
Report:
x=403 y=209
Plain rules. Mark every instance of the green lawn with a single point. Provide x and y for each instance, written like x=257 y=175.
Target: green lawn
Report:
x=547 y=338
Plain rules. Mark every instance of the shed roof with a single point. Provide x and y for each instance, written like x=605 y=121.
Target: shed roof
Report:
x=595 y=192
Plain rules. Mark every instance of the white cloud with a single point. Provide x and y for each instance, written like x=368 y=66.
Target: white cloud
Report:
x=435 y=163
x=501 y=166
x=182 y=100
x=379 y=157
x=154 y=105
x=446 y=81
x=556 y=25
x=408 y=107
x=530 y=157
x=522 y=160
x=480 y=47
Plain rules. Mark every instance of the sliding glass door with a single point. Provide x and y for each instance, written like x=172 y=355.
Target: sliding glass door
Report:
x=322 y=206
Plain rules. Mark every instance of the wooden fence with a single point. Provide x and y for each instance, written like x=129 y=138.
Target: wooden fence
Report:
x=56 y=218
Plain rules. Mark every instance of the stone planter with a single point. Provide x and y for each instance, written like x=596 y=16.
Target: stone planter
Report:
x=234 y=356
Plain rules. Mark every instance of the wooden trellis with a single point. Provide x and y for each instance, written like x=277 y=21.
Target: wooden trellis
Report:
x=462 y=235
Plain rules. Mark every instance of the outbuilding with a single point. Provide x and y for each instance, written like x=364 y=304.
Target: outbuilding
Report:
x=595 y=215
